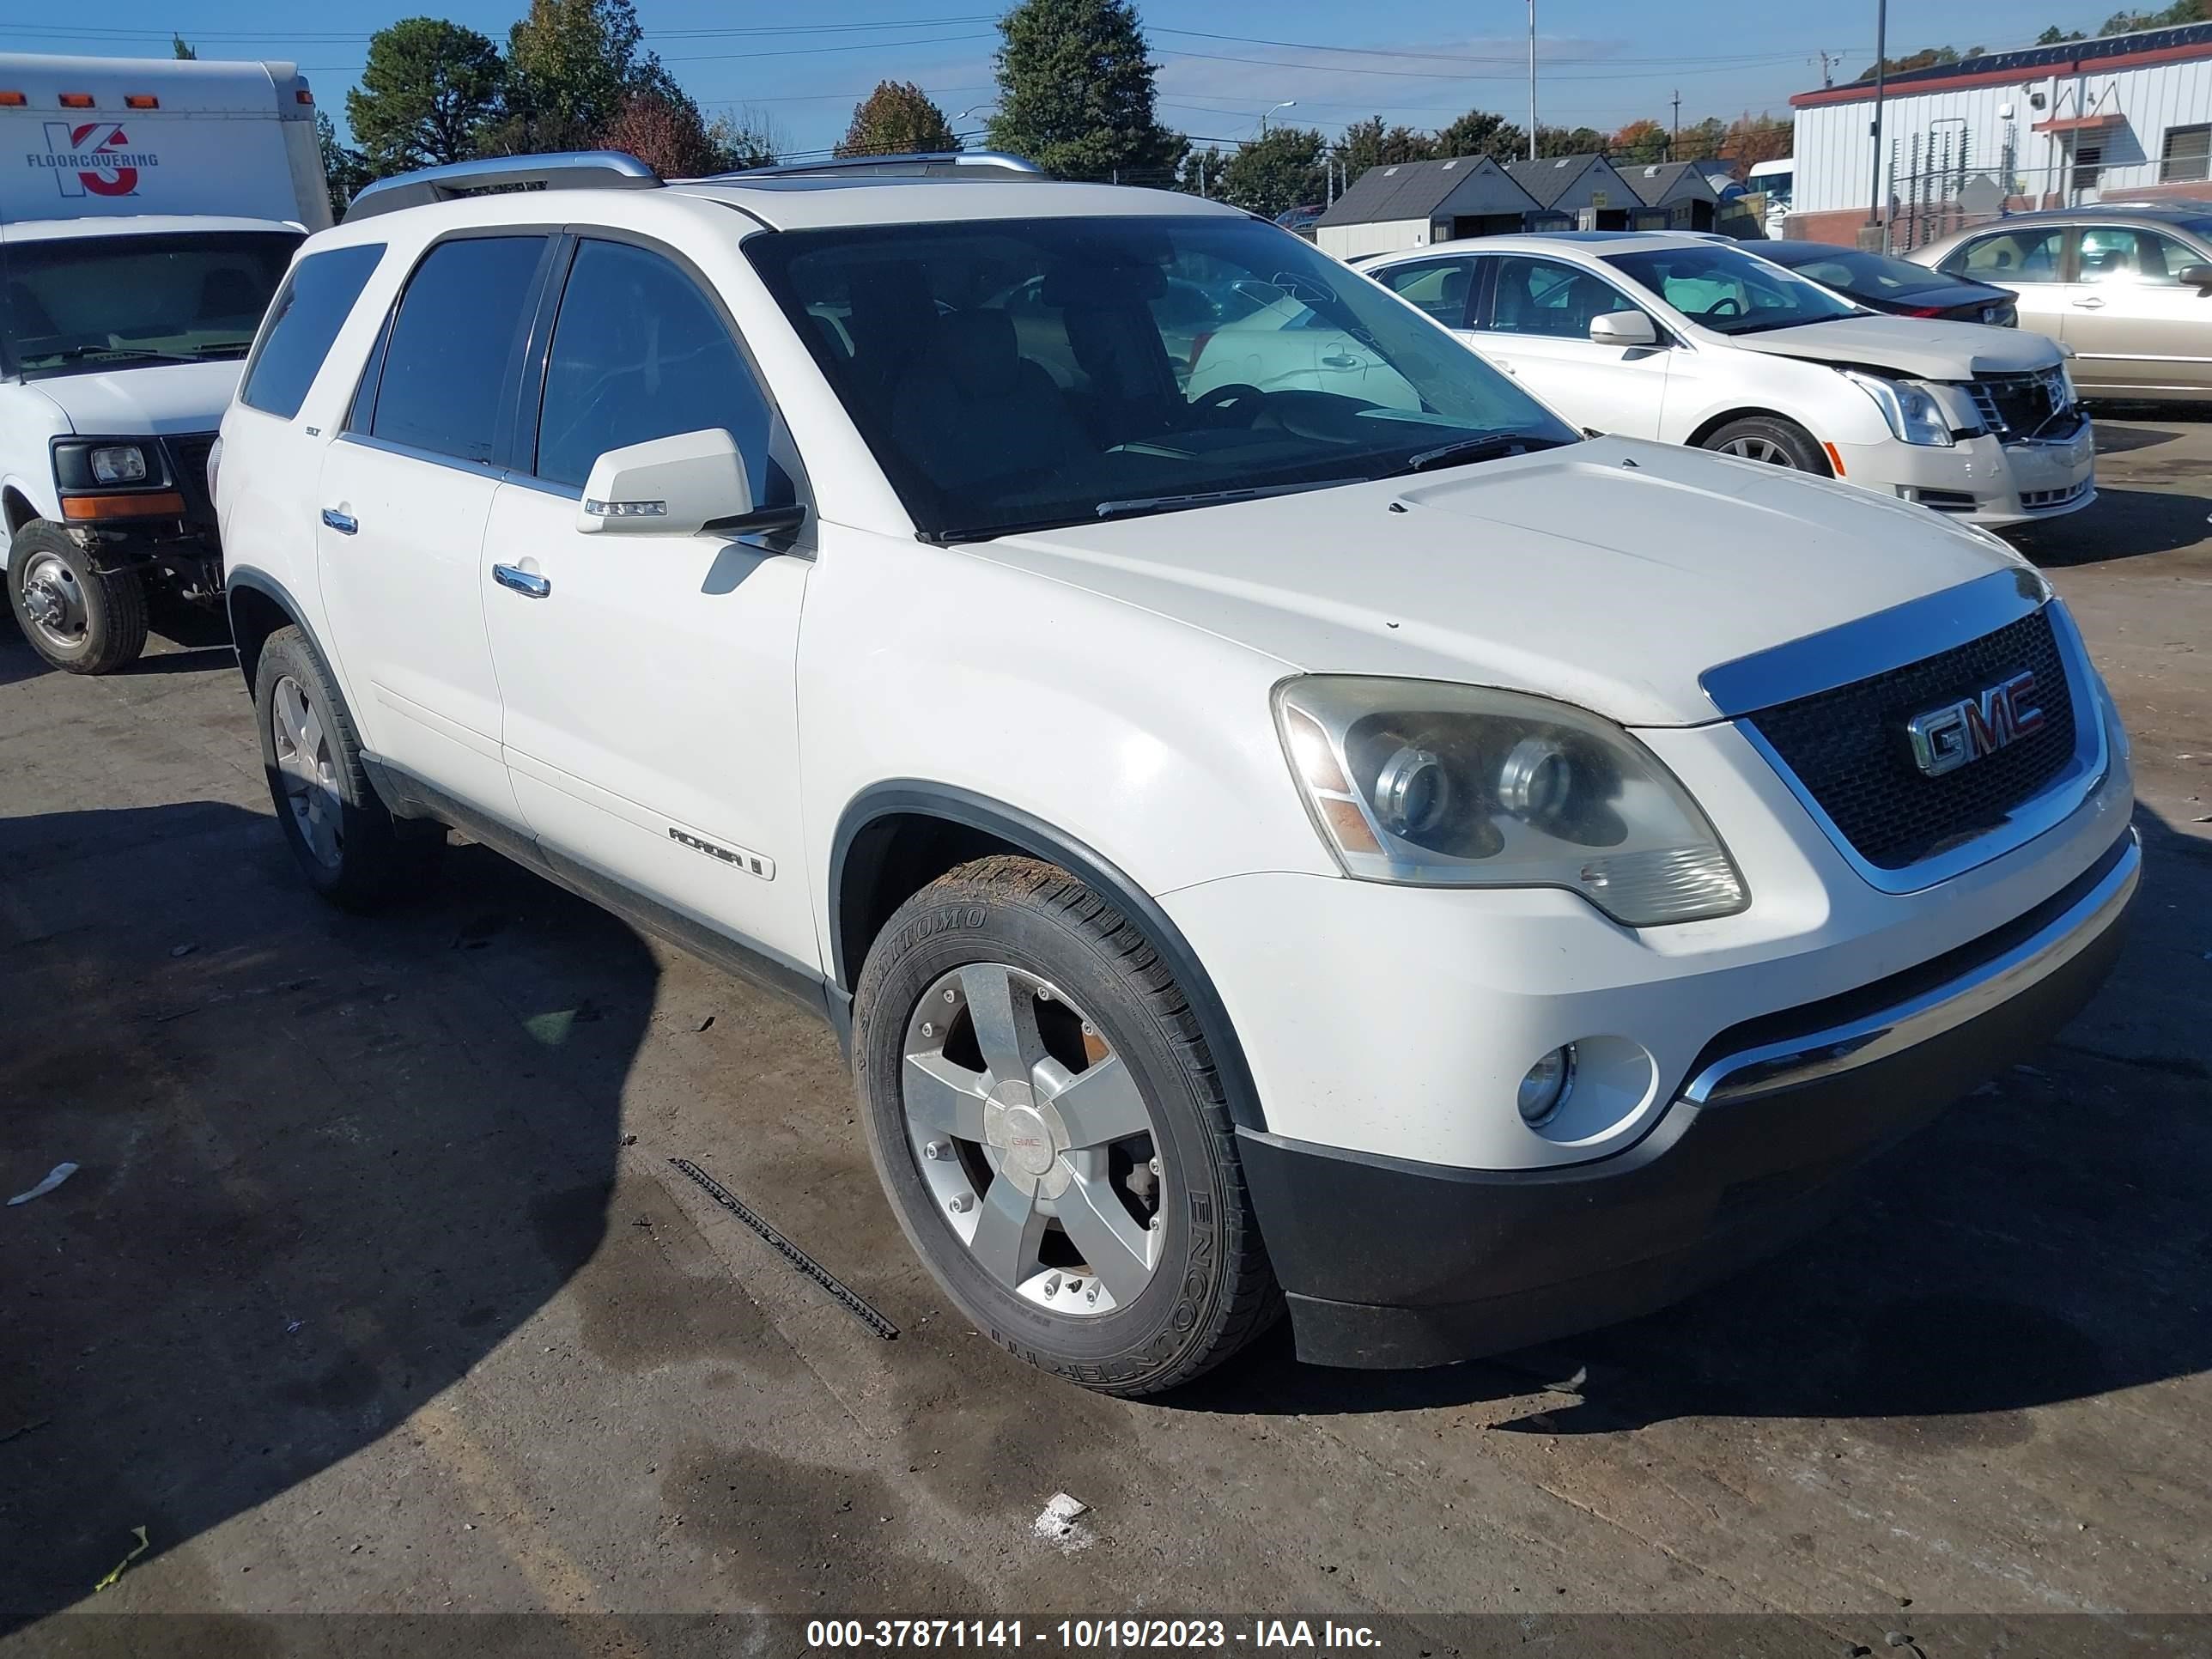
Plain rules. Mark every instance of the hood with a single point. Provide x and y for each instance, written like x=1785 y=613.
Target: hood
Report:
x=152 y=397
x=1608 y=575
x=1920 y=347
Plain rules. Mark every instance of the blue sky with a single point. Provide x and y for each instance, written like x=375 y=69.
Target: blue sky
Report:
x=1600 y=63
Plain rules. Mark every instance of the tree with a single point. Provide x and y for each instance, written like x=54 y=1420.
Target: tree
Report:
x=896 y=119
x=1751 y=139
x=2127 y=22
x=2055 y=36
x=1569 y=141
x=426 y=94
x=1479 y=133
x=747 y=139
x=183 y=52
x=1701 y=143
x=1282 y=170
x=345 y=171
x=667 y=134
x=572 y=68
x=1933 y=57
x=1369 y=143
x=1639 y=141
x=1076 y=93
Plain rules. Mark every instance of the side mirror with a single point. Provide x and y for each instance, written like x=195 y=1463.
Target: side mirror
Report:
x=676 y=486
x=2196 y=276
x=1622 y=328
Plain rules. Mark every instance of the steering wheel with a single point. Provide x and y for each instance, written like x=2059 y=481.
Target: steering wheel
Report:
x=1735 y=307
x=1232 y=399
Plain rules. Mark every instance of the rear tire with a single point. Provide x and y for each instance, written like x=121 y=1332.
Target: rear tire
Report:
x=1081 y=1200
x=349 y=846
x=81 y=619
x=1771 y=439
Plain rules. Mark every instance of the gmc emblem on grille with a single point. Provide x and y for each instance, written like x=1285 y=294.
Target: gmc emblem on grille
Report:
x=1944 y=740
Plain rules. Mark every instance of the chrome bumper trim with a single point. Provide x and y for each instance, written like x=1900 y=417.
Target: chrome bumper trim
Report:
x=1845 y=1047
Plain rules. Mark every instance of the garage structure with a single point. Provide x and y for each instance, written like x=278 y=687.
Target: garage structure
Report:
x=1576 y=192
x=1671 y=195
x=2127 y=118
x=1406 y=204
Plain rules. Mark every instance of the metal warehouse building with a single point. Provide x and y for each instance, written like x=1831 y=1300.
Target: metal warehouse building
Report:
x=2128 y=116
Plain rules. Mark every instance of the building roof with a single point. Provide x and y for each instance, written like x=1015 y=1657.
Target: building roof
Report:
x=1470 y=185
x=1669 y=181
x=2113 y=52
x=1548 y=178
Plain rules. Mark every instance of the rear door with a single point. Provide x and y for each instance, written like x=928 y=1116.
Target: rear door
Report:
x=406 y=492
x=2131 y=323
x=1534 y=323
x=2030 y=261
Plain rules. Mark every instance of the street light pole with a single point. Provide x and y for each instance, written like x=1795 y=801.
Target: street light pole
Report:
x=1880 y=75
x=1287 y=103
x=1531 y=80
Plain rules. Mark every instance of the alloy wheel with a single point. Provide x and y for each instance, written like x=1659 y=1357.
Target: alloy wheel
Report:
x=311 y=778
x=1033 y=1138
x=1757 y=449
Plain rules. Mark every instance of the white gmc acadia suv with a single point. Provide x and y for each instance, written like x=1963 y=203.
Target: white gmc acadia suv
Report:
x=1261 y=848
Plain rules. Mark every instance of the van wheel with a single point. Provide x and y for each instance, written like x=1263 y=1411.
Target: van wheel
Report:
x=82 y=620
x=352 y=850
x=1043 y=1114
x=1771 y=439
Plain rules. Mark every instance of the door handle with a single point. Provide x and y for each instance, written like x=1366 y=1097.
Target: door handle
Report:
x=1340 y=360
x=2093 y=303
x=342 y=523
x=522 y=582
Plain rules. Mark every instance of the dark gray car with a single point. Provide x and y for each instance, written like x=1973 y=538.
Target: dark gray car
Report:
x=2127 y=288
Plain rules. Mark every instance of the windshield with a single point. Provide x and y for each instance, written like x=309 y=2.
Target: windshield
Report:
x=1729 y=291
x=85 y=303
x=1024 y=373
x=1868 y=273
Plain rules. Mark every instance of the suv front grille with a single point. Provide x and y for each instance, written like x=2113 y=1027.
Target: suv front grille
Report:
x=1848 y=747
x=188 y=459
x=2018 y=407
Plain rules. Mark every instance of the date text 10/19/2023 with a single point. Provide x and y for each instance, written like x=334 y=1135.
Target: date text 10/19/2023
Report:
x=1086 y=1635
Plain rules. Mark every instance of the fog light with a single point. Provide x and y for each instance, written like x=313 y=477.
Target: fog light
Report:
x=1547 y=1084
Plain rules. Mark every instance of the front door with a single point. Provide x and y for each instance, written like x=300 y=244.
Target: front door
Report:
x=1535 y=325
x=2131 y=323
x=651 y=719
x=406 y=492
x=2030 y=261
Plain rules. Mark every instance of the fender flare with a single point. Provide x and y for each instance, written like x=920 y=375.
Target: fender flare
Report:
x=270 y=588
x=1033 y=836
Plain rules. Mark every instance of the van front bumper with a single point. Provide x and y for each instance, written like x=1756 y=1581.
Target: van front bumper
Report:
x=1388 y=1262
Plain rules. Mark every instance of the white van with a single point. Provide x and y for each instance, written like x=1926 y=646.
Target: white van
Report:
x=149 y=209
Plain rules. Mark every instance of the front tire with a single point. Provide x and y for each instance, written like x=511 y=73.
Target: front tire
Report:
x=1045 y=1118
x=1771 y=440
x=80 y=619
x=348 y=844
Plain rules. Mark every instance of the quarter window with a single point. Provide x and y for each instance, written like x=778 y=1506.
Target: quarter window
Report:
x=305 y=320
x=449 y=365
x=638 y=354
x=2012 y=257
x=1439 y=287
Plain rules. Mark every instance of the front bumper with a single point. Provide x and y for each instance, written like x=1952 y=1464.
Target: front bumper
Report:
x=1981 y=480
x=1389 y=1263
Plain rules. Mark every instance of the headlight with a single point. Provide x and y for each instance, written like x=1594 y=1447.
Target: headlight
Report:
x=1456 y=786
x=119 y=464
x=2066 y=375
x=1913 y=415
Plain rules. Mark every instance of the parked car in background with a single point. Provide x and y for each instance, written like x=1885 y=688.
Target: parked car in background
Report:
x=1699 y=342
x=148 y=210
x=1896 y=286
x=1409 y=863
x=2126 y=288
x=1301 y=221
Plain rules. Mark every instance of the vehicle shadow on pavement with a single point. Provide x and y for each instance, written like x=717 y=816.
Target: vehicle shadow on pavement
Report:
x=326 y=1164
x=2045 y=1240
x=2122 y=523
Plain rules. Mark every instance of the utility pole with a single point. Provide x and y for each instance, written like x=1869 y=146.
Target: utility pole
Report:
x=1880 y=77
x=1827 y=74
x=1675 y=132
x=1531 y=80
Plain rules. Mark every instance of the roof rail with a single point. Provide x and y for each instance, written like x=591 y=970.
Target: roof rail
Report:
x=922 y=164
x=586 y=169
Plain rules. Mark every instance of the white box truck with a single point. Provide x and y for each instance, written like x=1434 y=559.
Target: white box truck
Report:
x=149 y=209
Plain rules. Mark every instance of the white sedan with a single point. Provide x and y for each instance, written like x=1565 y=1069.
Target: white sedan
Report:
x=1691 y=341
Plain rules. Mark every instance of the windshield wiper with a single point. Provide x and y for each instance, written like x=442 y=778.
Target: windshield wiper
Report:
x=228 y=347
x=1488 y=447
x=77 y=354
x=1140 y=504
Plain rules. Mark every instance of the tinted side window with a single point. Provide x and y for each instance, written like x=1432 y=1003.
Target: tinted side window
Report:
x=1439 y=287
x=2011 y=259
x=317 y=297
x=639 y=354
x=459 y=323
